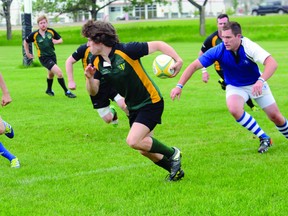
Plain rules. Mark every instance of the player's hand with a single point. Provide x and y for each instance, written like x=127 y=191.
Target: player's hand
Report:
x=177 y=67
x=72 y=85
x=257 y=88
x=29 y=56
x=6 y=99
x=205 y=77
x=89 y=71
x=175 y=92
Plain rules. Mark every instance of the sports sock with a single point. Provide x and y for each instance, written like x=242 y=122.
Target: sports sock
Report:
x=164 y=163
x=5 y=153
x=250 y=103
x=61 y=81
x=49 y=84
x=250 y=124
x=283 y=129
x=158 y=147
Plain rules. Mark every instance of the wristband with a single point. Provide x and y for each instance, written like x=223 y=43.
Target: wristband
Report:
x=261 y=79
x=204 y=70
x=179 y=86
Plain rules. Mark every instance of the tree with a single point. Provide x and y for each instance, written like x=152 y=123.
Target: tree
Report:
x=6 y=5
x=202 y=15
x=74 y=6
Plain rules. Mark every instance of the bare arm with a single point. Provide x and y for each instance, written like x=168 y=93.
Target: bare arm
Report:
x=26 y=48
x=92 y=85
x=69 y=71
x=205 y=74
x=6 y=99
x=59 y=41
x=270 y=66
x=163 y=47
x=188 y=72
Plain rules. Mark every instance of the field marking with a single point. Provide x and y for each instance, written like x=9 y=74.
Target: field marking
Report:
x=77 y=174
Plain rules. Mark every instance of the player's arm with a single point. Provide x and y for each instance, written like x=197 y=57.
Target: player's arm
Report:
x=57 y=41
x=270 y=66
x=92 y=85
x=205 y=74
x=26 y=49
x=165 y=48
x=188 y=72
x=6 y=99
x=69 y=71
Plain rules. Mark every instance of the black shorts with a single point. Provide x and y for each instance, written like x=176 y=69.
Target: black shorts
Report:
x=48 y=61
x=103 y=97
x=149 y=115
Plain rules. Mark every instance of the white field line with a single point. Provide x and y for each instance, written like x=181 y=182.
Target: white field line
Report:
x=37 y=179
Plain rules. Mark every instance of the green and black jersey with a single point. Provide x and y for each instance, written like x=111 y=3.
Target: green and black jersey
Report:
x=44 y=44
x=212 y=41
x=127 y=74
x=83 y=53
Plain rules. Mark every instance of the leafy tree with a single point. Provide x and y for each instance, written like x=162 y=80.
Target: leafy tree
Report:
x=74 y=6
x=202 y=15
x=6 y=5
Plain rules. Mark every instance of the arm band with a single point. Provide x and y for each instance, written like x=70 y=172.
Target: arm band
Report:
x=179 y=86
x=261 y=79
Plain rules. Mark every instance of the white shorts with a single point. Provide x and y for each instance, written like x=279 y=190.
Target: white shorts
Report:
x=263 y=100
x=105 y=110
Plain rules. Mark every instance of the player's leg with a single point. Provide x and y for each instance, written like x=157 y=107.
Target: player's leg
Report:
x=142 y=122
x=235 y=99
x=252 y=106
x=121 y=103
x=55 y=69
x=108 y=114
x=6 y=129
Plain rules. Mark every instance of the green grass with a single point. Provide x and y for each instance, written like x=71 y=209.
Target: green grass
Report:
x=262 y=28
x=75 y=164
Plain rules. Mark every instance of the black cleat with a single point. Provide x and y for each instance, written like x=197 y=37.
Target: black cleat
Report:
x=265 y=143
x=70 y=94
x=175 y=161
x=49 y=92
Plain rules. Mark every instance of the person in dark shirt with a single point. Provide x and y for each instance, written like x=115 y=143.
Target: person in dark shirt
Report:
x=120 y=65
x=44 y=39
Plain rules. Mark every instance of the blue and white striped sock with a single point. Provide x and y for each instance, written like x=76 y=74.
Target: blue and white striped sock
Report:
x=250 y=124
x=283 y=129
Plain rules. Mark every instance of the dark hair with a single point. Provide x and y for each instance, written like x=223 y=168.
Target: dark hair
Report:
x=100 y=32
x=234 y=26
x=221 y=16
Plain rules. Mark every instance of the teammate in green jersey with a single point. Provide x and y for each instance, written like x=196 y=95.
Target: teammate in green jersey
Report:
x=44 y=39
x=120 y=65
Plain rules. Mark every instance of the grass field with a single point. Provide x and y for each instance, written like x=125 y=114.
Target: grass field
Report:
x=75 y=164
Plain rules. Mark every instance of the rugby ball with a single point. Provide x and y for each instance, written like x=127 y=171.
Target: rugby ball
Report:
x=162 y=66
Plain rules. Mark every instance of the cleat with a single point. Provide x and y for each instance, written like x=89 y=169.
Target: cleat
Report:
x=70 y=94
x=9 y=132
x=175 y=161
x=50 y=92
x=265 y=143
x=179 y=175
x=114 y=121
x=255 y=109
x=15 y=163
x=222 y=83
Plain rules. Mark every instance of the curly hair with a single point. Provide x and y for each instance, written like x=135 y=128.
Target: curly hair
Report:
x=100 y=32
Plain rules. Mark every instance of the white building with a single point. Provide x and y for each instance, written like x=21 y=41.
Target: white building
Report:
x=115 y=11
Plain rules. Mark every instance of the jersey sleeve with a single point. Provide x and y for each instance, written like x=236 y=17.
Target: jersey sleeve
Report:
x=79 y=53
x=254 y=51
x=30 y=38
x=212 y=55
x=136 y=50
x=56 y=35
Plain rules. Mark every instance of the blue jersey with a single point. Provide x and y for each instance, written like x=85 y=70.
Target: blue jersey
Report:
x=240 y=68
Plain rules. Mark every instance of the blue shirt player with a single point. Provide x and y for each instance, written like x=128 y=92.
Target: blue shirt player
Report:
x=237 y=56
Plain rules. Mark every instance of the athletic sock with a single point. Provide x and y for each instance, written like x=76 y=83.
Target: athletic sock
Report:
x=283 y=129
x=61 y=81
x=49 y=84
x=250 y=124
x=250 y=103
x=164 y=163
x=158 y=147
x=5 y=153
